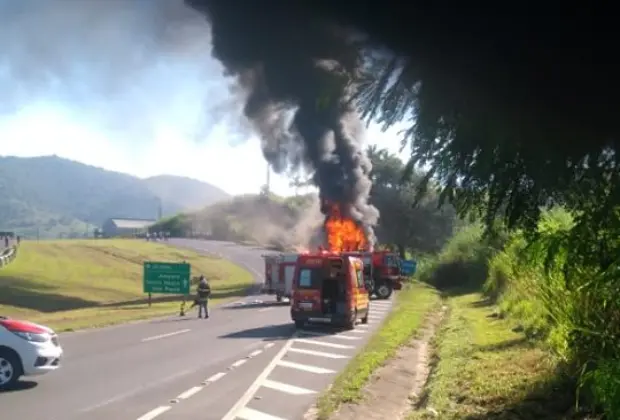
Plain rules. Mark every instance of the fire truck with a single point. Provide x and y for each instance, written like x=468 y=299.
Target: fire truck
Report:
x=382 y=272
x=279 y=273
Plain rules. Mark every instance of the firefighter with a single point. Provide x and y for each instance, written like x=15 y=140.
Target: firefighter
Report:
x=202 y=296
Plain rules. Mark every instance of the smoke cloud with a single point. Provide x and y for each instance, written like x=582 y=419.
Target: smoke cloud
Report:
x=126 y=68
x=295 y=74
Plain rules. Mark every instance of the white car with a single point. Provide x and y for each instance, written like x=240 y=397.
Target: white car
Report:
x=26 y=349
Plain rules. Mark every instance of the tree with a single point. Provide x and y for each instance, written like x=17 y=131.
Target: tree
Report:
x=419 y=226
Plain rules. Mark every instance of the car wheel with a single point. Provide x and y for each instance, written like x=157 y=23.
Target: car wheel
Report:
x=350 y=324
x=9 y=369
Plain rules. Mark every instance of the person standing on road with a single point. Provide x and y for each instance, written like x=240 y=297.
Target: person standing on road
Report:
x=204 y=291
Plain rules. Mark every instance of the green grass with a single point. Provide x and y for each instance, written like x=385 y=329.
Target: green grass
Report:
x=413 y=304
x=486 y=370
x=79 y=284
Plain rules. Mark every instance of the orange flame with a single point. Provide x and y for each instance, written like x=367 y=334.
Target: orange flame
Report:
x=343 y=234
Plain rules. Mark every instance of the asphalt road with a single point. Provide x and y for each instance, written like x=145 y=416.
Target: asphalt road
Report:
x=245 y=362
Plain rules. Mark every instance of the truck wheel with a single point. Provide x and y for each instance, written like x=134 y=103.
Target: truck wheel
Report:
x=383 y=291
x=370 y=287
x=278 y=297
x=299 y=324
x=10 y=369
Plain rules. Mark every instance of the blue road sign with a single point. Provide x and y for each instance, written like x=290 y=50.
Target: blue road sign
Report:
x=408 y=267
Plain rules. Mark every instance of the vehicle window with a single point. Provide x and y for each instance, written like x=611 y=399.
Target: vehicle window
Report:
x=360 y=278
x=309 y=278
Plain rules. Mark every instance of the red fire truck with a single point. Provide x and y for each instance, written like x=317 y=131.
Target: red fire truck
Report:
x=382 y=272
x=279 y=273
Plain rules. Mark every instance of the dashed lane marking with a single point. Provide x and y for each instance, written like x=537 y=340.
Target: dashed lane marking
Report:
x=159 y=337
x=305 y=368
x=318 y=353
x=239 y=363
x=214 y=378
x=154 y=413
x=289 y=389
x=189 y=393
x=254 y=353
x=340 y=336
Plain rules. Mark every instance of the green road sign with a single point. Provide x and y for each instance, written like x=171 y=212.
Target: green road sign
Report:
x=161 y=277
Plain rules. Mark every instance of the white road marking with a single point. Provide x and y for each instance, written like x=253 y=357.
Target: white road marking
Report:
x=185 y=395
x=239 y=362
x=269 y=345
x=154 y=413
x=265 y=309
x=356 y=331
x=289 y=389
x=214 y=378
x=305 y=368
x=249 y=414
x=323 y=343
x=317 y=334
x=255 y=353
x=158 y=337
x=362 y=326
x=247 y=396
x=318 y=353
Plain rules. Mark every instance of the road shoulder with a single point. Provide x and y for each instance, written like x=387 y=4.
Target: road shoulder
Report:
x=358 y=388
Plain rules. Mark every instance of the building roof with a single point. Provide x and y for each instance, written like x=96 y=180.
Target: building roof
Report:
x=133 y=223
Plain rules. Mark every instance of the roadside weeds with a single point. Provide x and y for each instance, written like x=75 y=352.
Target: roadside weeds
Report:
x=484 y=369
x=413 y=307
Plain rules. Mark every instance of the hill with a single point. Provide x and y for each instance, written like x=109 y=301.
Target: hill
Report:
x=85 y=283
x=51 y=196
x=182 y=193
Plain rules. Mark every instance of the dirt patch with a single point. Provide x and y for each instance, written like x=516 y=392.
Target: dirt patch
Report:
x=396 y=385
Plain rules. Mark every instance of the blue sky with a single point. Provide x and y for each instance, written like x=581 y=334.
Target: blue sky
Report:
x=127 y=86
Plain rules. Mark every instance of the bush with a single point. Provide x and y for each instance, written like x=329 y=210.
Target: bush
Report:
x=577 y=316
x=463 y=262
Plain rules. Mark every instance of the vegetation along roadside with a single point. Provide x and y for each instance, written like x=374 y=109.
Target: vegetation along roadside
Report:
x=76 y=284
x=524 y=338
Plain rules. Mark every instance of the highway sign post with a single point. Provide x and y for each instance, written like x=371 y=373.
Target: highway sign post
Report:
x=166 y=278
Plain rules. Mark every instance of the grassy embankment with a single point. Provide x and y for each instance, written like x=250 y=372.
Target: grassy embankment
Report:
x=514 y=343
x=486 y=370
x=411 y=308
x=78 y=284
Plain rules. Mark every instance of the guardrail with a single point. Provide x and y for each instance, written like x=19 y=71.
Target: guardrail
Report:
x=8 y=255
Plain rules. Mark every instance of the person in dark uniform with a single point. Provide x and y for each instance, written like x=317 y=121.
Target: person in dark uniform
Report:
x=203 y=293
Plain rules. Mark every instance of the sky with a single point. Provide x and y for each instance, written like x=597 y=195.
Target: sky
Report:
x=128 y=86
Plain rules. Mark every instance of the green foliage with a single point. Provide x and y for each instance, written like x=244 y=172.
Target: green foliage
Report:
x=577 y=316
x=422 y=226
x=55 y=197
x=463 y=261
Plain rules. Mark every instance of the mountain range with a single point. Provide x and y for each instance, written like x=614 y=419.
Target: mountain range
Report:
x=50 y=196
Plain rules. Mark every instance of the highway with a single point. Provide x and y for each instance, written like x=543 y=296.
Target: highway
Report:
x=245 y=362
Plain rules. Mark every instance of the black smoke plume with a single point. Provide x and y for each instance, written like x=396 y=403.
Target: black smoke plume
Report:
x=295 y=75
